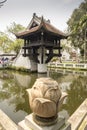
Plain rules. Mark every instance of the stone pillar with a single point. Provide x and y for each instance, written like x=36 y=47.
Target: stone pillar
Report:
x=42 y=66
x=33 y=66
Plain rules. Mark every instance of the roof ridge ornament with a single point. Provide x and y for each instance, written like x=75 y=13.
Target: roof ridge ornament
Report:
x=42 y=17
x=42 y=24
x=42 y=20
x=34 y=14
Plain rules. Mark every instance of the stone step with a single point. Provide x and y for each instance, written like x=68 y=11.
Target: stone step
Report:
x=23 y=126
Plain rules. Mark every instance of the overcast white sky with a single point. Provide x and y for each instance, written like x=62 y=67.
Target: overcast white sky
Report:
x=21 y=11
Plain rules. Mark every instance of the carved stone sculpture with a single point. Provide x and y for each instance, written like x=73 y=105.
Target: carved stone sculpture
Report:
x=45 y=98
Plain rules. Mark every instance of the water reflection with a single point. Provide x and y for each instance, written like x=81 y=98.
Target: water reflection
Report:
x=76 y=94
x=14 y=98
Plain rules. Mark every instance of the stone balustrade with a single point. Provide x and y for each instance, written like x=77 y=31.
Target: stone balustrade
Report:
x=68 y=65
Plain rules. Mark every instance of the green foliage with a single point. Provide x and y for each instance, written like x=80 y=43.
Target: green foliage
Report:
x=22 y=69
x=5 y=42
x=15 y=28
x=76 y=93
x=16 y=45
x=54 y=59
x=77 y=26
x=8 y=44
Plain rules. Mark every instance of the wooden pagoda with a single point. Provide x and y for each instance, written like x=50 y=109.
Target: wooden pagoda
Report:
x=41 y=39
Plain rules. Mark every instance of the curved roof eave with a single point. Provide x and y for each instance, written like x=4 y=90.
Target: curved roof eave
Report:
x=44 y=26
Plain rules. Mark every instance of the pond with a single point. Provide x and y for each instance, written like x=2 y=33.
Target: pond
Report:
x=14 y=98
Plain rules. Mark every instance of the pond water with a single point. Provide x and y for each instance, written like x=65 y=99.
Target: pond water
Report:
x=14 y=98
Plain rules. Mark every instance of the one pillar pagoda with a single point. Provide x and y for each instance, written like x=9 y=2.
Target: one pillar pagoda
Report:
x=41 y=39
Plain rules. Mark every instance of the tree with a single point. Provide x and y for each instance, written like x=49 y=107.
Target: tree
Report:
x=15 y=28
x=9 y=44
x=5 y=42
x=17 y=43
x=77 y=25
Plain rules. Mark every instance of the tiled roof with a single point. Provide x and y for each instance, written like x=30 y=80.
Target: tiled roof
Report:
x=46 y=25
x=27 y=32
x=52 y=29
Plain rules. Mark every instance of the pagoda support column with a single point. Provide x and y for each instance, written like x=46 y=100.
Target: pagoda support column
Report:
x=24 y=49
x=42 y=66
x=59 y=49
x=33 y=65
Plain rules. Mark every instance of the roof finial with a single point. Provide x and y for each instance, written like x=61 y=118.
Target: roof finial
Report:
x=42 y=18
x=48 y=21
x=34 y=14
